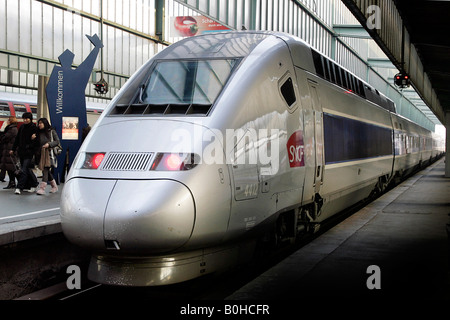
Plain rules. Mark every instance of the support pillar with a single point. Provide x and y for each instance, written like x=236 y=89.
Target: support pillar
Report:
x=253 y=15
x=42 y=105
x=159 y=19
x=447 y=144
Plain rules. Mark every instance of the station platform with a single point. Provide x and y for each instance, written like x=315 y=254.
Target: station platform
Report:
x=397 y=245
x=27 y=216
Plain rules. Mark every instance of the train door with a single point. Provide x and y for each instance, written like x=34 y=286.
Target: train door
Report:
x=318 y=136
x=244 y=167
x=244 y=213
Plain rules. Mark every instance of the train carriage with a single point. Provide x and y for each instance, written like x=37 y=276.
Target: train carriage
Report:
x=15 y=108
x=15 y=104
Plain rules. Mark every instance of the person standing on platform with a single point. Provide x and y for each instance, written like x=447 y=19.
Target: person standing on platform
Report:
x=26 y=144
x=2 y=171
x=48 y=138
x=85 y=132
x=7 y=142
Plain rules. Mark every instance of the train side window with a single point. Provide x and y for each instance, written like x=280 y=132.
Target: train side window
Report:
x=34 y=111
x=288 y=93
x=318 y=63
x=361 y=89
x=4 y=110
x=391 y=106
x=344 y=79
x=333 y=76
x=20 y=110
x=326 y=69
x=349 y=82
x=337 y=70
x=352 y=83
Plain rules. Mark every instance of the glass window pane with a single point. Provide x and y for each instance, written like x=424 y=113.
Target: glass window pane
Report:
x=287 y=90
x=198 y=82
x=20 y=110
x=4 y=110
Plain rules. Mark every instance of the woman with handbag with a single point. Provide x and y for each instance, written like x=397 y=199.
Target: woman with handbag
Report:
x=7 y=141
x=48 y=140
x=26 y=145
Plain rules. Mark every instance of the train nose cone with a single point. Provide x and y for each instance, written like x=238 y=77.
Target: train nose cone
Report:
x=149 y=215
x=145 y=216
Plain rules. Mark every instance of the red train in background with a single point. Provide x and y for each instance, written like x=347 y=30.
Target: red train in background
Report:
x=15 y=108
x=14 y=104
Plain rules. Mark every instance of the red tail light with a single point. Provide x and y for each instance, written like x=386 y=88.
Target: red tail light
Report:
x=97 y=160
x=175 y=161
x=93 y=160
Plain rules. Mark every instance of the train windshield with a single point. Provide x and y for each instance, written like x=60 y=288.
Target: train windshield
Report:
x=186 y=81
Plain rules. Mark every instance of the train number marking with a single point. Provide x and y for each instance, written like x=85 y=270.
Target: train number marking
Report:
x=251 y=190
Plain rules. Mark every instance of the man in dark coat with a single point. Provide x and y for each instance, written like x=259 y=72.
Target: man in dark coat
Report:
x=6 y=143
x=26 y=144
x=2 y=171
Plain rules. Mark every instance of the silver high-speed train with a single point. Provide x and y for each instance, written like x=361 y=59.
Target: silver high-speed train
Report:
x=225 y=138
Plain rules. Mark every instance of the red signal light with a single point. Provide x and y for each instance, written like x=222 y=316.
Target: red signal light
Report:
x=402 y=80
x=173 y=162
x=92 y=160
x=101 y=87
x=97 y=160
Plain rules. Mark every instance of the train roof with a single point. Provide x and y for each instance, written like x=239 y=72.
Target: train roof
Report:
x=32 y=99
x=216 y=45
x=225 y=44
x=242 y=43
x=18 y=97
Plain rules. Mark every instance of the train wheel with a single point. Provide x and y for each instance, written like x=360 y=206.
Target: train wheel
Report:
x=381 y=186
x=285 y=228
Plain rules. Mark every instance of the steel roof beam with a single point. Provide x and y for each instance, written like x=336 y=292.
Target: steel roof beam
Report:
x=389 y=37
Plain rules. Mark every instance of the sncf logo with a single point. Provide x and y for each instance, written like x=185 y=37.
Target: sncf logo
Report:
x=295 y=149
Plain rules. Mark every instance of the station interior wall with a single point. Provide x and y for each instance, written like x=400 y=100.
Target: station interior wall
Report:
x=38 y=31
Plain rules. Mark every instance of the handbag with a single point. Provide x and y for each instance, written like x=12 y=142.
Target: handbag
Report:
x=17 y=167
x=54 y=152
x=57 y=150
x=53 y=160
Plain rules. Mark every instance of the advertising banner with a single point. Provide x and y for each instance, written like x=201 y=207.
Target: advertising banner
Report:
x=188 y=26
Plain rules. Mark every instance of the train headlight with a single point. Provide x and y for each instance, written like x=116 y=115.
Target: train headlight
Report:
x=175 y=161
x=93 y=160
